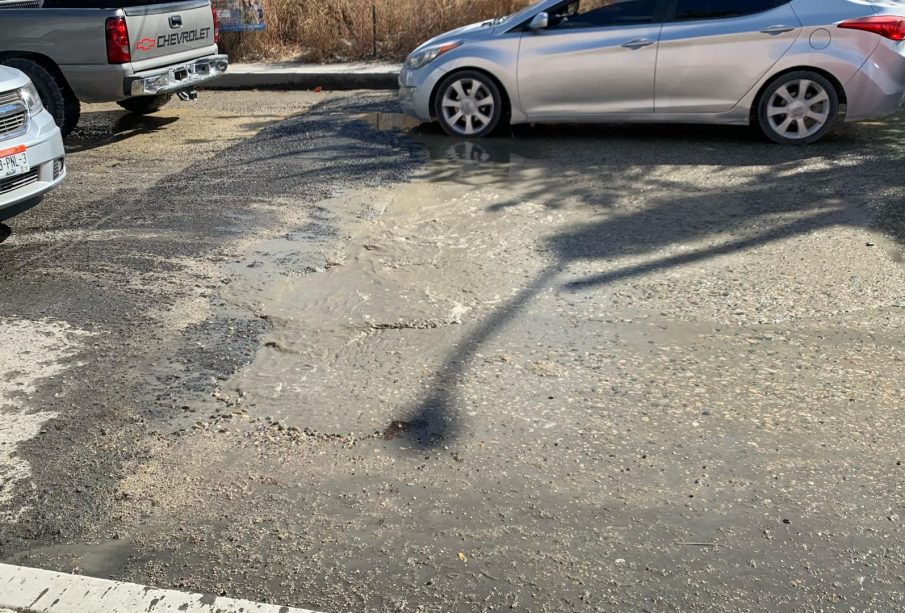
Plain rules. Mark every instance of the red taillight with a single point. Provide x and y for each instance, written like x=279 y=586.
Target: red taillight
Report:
x=888 y=26
x=118 y=41
x=216 y=25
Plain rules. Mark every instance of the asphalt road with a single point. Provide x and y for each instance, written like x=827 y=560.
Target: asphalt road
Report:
x=287 y=347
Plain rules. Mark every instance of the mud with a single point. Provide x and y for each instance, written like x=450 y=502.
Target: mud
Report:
x=527 y=367
x=40 y=351
x=608 y=368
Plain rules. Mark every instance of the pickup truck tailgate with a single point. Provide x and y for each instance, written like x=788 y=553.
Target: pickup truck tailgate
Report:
x=160 y=30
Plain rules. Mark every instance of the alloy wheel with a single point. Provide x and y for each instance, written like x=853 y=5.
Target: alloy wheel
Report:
x=799 y=109
x=468 y=106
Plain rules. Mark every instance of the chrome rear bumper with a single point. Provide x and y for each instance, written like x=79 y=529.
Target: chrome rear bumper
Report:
x=176 y=78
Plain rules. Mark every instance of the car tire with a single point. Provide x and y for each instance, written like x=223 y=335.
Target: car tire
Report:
x=482 y=99
x=58 y=99
x=798 y=108
x=144 y=105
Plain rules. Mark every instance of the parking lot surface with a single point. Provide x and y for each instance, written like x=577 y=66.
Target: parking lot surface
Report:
x=289 y=347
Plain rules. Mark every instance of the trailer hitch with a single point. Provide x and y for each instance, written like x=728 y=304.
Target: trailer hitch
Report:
x=187 y=95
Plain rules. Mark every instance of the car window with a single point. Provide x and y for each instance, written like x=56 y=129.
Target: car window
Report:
x=603 y=13
x=691 y=10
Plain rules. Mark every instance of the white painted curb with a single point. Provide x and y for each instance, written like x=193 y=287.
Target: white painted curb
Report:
x=28 y=590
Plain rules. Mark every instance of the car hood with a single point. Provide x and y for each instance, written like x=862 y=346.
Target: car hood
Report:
x=475 y=31
x=486 y=29
x=10 y=78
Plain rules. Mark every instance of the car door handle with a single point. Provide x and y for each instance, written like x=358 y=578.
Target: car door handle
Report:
x=638 y=43
x=775 y=30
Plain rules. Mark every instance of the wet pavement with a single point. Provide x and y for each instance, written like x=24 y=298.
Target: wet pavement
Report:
x=336 y=360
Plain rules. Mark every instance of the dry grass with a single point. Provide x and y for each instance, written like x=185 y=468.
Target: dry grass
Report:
x=342 y=30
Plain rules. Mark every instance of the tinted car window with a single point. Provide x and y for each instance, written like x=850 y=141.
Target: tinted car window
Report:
x=603 y=13
x=687 y=10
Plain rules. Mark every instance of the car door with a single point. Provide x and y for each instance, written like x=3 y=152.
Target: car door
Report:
x=591 y=60
x=712 y=52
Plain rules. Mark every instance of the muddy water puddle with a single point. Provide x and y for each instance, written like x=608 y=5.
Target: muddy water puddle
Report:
x=495 y=155
x=367 y=296
x=392 y=121
x=385 y=295
x=448 y=298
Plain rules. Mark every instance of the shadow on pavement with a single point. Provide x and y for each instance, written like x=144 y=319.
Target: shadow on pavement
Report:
x=103 y=128
x=848 y=180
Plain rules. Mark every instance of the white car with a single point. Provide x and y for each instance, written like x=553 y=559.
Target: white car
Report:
x=32 y=158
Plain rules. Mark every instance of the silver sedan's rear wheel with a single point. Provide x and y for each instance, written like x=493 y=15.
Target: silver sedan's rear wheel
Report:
x=469 y=105
x=798 y=108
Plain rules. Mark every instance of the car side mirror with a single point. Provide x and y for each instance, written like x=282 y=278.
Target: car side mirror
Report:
x=541 y=21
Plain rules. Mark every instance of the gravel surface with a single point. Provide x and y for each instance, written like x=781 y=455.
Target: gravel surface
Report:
x=332 y=360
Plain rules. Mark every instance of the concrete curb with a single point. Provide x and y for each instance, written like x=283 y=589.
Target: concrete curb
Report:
x=28 y=590
x=309 y=76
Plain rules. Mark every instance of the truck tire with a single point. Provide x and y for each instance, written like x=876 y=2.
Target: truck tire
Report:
x=144 y=105
x=58 y=99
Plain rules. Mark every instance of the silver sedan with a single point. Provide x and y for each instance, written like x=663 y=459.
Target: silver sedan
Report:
x=793 y=67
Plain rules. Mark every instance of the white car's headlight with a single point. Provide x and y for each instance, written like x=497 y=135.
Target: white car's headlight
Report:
x=30 y=96
x=425 y=57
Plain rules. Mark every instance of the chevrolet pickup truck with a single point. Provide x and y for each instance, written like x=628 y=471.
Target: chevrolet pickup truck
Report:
x=139 y=53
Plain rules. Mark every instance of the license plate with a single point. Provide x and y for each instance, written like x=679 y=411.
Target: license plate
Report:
x=13 y=161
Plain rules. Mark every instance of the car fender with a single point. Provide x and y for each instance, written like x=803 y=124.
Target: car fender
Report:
x=499 y=59
x=842 y=58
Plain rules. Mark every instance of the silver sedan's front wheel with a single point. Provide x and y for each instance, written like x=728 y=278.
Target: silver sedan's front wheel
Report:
x=469 y=105
x=798 y=108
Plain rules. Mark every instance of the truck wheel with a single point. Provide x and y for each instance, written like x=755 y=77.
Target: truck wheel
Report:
x=144 y=105
x=58 y=99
